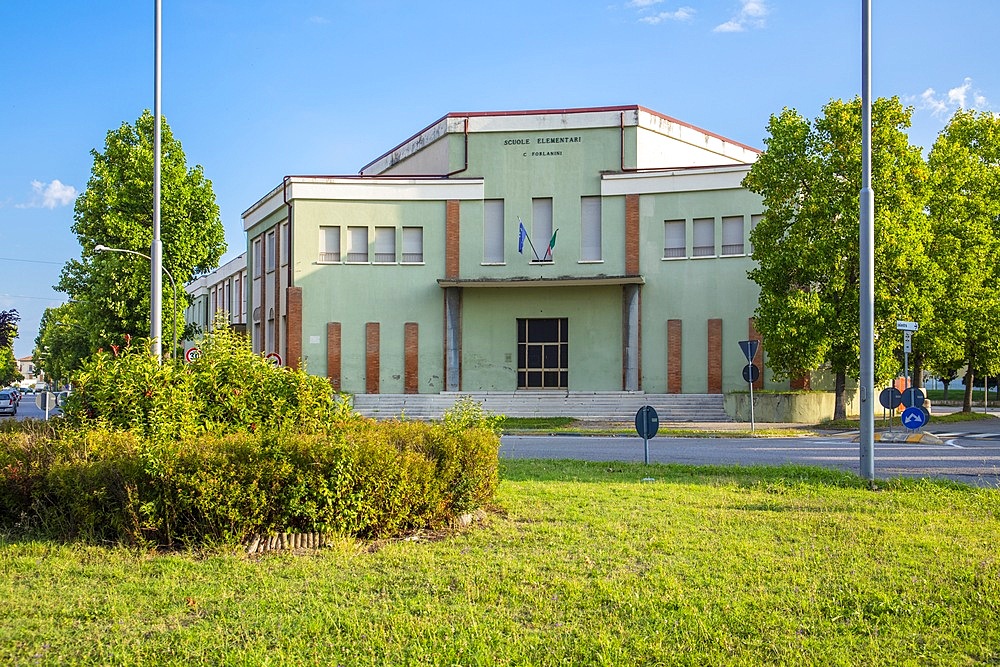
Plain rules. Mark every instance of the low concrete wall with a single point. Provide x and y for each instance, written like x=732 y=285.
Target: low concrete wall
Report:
x=810 y=407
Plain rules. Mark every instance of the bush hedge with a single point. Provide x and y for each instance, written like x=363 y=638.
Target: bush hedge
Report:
x=230 y=447
x=365 y=479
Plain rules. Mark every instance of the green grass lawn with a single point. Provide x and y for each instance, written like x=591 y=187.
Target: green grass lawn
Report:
x=580 y=564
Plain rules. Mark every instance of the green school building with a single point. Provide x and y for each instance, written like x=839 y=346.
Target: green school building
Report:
x=571 y=250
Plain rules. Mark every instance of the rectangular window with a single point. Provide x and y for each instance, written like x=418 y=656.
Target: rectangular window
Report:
x=238 y=298
x=704 y=237
x=543 y=353
x=732 y=235
x=257 y=266
x=590 y=228
x=413 y=245
x=357 y=244
x=493 y=235
x=754 y=219
x=285 y=244
x=385 y=245
x=541 y=227
x=674 y=239
x=269 y=251
x=329 y=244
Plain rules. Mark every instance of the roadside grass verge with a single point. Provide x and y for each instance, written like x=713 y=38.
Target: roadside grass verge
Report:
x=950 y=418
x=567 y=425
x=579 y=563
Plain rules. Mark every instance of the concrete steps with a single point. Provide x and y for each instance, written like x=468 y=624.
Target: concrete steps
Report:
x=617 y=406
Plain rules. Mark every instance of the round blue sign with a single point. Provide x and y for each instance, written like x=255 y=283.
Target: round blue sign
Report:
x=913 y=418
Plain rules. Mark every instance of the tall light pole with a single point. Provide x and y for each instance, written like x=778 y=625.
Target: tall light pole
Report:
x=156 y=250
x=867 y=256
x=157 y=348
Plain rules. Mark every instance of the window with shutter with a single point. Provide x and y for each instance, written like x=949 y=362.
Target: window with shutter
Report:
x=590 y=229
x=732 y=235
x=357 y=244
x=493 y=235
x=385 y=245
x=674 y=239
x=413 y=245
x=703 y=230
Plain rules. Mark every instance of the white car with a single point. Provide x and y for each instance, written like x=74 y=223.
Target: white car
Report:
x=8 y=402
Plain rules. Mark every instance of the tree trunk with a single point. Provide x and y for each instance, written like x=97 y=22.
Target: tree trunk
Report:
x=945 y=383
x=918 y=372
x=839 y=404
x=970 y=377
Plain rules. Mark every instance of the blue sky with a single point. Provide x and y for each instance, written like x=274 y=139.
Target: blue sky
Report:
x=256 y=90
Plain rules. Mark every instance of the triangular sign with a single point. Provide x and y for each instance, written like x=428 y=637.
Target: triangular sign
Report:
x=749 y=348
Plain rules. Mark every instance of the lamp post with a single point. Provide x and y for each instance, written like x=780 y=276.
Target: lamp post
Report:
x=104 y=248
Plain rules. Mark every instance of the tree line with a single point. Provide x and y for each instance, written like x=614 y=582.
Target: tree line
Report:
x=936 y=252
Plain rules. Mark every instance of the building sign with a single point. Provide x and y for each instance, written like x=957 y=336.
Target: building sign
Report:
x=541 y=146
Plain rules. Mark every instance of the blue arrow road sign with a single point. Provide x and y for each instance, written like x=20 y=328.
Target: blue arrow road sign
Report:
x=913 y=418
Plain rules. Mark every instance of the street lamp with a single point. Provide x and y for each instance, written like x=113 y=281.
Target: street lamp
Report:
x=104 y=248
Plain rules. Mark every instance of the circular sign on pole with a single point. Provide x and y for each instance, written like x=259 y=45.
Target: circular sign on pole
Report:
x=647 y=422
x=751 y=373
x=192 y=354
x=274 y=358
x=913 y=418
x=890 y=398
x=913 y=397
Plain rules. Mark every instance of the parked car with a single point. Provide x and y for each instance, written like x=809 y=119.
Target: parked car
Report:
x=8 y=403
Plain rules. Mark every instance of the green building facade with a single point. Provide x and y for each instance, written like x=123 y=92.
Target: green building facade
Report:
x=577 y=250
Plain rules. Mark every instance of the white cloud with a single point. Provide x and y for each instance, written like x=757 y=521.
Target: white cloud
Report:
x=751 y=15
x=941 y=106
x=642 y=4
x=50 y=195
x=682 y=14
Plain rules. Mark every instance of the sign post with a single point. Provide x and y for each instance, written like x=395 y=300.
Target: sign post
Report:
x=907 y=328
x=751 y=372
x=647 y=422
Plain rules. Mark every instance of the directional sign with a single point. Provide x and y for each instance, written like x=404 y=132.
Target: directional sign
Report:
x=913 y=418
x=749 y=348
x=902 y=325
x=913 y=397
x=751 y=373
x=890 y=398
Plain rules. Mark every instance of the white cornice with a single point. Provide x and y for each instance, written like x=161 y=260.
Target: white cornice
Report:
x=331 y=188
x=680 y=180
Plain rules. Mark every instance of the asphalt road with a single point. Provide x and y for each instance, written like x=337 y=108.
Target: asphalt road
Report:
x=969 y=455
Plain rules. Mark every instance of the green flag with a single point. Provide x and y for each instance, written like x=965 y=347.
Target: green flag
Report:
x=552 y=245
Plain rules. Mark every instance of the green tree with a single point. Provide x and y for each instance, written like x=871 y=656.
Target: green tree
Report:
x=8 y=327
x=116 y=210
x=8 y=367
x=964 y=208
x=807 y=244
x=63 y=341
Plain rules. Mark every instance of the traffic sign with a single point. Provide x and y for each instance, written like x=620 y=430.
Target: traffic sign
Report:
x=890 y=398
x=647 y=422
x=45 y=400
x=907 y=341
x=274 y=358
x=902 y=325
x=913 y=418
x=913 y=397
x=192 y=354
x=749 y=348
x=751 y=373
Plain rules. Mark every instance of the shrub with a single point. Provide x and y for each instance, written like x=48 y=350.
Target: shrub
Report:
x=228 y=389
x=364 y=479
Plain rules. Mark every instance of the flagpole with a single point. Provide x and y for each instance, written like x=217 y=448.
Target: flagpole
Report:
x=528 y=238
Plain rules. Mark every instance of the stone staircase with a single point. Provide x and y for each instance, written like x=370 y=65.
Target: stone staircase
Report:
x=610 y=405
